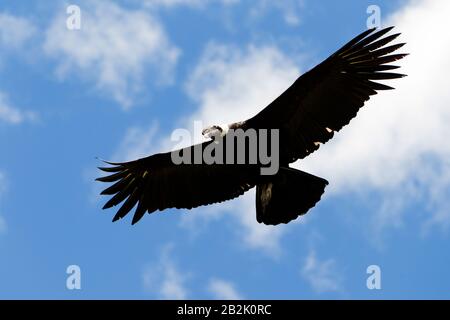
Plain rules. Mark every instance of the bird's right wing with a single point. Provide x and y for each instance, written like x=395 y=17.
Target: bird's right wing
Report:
x=326 y=98
x=156 y=183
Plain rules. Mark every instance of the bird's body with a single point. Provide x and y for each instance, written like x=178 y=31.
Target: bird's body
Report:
x=318 y=104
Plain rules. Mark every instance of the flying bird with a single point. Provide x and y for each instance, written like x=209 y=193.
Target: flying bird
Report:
x=306 y=115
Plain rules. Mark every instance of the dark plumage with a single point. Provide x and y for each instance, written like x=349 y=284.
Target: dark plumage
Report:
x=317 y=104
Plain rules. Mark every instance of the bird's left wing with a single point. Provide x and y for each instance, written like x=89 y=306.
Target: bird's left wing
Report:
x=327 y=97
x=156 y=183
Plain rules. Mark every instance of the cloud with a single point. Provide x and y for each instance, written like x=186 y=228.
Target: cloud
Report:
x=227 y=81
x=223 y=290
x=174 y=3
x=12 y=115
x=14 y=31
x=187 y=3
x=322 y=276
x=137 y=143
x=290 y=10
x=397 y=148
x=115 y=49
x=164 y=279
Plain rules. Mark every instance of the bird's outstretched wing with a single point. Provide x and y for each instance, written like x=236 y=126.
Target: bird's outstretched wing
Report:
x=156 y=183
x=327 y=97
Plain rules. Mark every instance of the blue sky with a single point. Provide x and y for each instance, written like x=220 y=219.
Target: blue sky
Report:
x=136 y=71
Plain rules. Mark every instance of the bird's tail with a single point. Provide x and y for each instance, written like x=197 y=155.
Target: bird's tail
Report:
x=289 y=194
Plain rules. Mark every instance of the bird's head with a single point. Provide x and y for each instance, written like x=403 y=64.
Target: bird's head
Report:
x=215 y=131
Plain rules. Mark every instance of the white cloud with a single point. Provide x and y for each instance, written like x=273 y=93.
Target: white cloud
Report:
x=254 y=234
x=116 y=49
x=188 y=3
x=14 y=31
x=13 y=115
x=137 y=143
x=242 y=210
x=164 y=279
x=173 y=3
x=231 y=84
x=397 y=146
x=223 y=290
x=290 y=9
x=322 y=276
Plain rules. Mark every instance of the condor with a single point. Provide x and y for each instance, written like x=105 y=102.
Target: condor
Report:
x=318 y=104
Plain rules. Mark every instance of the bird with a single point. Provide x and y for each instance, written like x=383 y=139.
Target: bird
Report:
x=306 y=115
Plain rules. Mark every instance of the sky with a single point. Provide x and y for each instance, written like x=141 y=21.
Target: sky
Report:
x=117 y=85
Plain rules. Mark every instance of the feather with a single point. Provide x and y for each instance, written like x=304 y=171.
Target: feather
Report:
x=121 y=195
x=128 y=205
